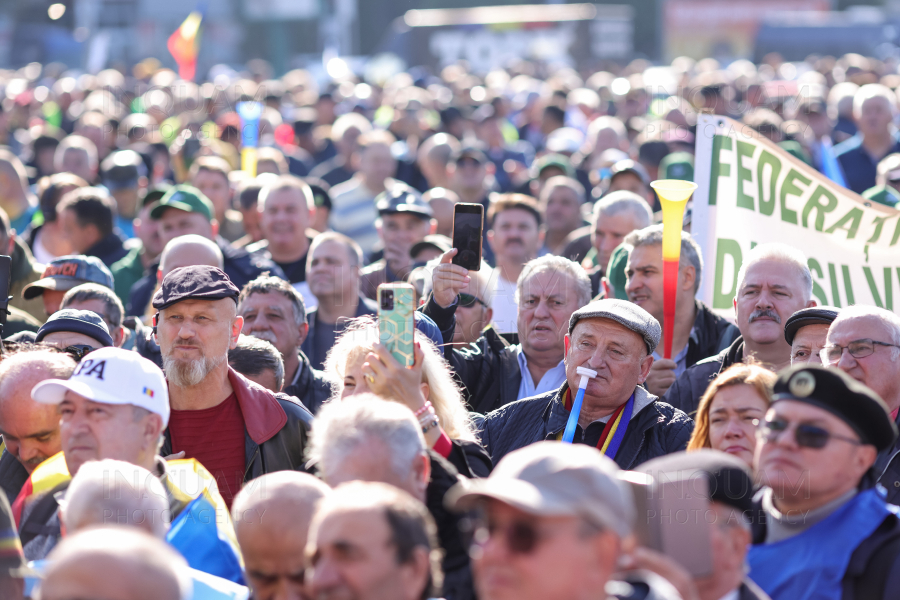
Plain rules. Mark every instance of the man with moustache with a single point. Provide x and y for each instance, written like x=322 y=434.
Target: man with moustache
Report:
x=236 y=429
x=698 y=333
x=515 y=236
x=773 y=283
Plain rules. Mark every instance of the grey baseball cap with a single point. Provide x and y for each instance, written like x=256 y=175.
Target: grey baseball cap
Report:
x=624 y=313
x=554 y=479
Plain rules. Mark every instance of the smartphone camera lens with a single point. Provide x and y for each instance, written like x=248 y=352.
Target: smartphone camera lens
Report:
x=387 y=300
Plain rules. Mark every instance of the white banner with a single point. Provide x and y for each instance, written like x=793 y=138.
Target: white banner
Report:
x=752 y=192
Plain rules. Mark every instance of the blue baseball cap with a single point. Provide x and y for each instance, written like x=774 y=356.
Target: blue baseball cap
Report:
x=79 y=321
x=66 y=272
x=426 y=325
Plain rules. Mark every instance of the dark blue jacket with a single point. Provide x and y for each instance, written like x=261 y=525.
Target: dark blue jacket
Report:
x=656 y=430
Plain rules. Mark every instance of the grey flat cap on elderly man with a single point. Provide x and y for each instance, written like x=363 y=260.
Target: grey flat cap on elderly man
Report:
x=618 y=416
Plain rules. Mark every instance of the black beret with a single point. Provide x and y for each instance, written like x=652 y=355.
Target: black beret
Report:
x=197 y=282
x=730 y=480
x=844 y=397
x=815 y=315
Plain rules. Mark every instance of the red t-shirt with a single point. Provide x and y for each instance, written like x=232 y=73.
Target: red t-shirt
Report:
x=215 y=437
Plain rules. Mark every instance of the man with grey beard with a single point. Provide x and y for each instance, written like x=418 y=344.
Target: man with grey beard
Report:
x=235 y=428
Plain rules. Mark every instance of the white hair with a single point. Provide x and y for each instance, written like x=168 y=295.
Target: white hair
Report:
x=620 y=201
x=889 y=320
x=776 y=251
x=551 y=263
x=873 y=90
x=342 y=426
x=115 y=492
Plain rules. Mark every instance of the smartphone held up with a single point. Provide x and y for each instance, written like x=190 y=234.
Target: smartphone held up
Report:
x=468 y=233
x=396 y=320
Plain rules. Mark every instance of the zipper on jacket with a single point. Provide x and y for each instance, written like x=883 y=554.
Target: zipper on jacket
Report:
x=250 y=464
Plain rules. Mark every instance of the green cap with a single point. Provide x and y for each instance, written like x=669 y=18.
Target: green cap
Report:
x=186 y=198
x=558 y=161
x=883 y=194
x=677 y=165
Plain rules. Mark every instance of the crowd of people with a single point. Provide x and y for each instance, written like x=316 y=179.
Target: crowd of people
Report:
x=196 y=402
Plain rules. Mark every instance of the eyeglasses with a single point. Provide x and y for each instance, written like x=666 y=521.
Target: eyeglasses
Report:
x=78 y=351
x=807 y=436
x=469 y=300
x=832 y=353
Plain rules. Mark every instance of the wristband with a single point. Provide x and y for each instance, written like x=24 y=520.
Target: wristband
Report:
x=428 y=416
x=424 y=408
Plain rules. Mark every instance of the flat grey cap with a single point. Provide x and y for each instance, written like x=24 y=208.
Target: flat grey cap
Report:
x=624 y=313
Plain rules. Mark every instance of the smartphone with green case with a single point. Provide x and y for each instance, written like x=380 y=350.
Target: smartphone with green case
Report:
x=396 y=321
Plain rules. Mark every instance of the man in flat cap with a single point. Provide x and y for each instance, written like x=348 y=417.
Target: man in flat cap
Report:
x=864 y=342
x=805 y=331
x=237 y=429
x=824 y=530
x=616 y=339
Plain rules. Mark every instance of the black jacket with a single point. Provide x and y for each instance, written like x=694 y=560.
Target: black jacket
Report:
x=311 y=387
x=656 y=430
x=487 y=368
x=455 y=564
x=710 y=335
x=12 y=475
x=685 y=393
x=874 y=569
x=109 y=250
x=887 y=470
x=276 y=429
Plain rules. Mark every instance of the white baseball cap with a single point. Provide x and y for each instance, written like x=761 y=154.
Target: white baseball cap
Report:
x=112 y=376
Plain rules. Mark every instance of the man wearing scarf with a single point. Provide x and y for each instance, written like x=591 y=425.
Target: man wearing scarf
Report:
x=616 y=339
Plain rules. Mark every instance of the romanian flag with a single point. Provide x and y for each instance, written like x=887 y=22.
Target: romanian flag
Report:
x=184 y=44
x=47 y=476
x=202 y=531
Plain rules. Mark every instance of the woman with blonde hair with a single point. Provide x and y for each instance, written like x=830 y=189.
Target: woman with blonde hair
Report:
x=730 y=410
x=358 y=363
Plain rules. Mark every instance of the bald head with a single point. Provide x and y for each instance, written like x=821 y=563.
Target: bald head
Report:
x=188 y=250
x=13 y=177
x=271 y=519
x=116 y=492
x=30 y=430
x=115 y=563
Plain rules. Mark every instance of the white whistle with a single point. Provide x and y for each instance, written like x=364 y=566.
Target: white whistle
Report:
x=585 y=375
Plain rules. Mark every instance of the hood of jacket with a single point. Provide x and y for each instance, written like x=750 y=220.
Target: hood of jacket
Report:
x=263 y=415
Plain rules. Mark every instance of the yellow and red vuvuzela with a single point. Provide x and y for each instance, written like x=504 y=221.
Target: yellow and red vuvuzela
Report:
x=673 y=196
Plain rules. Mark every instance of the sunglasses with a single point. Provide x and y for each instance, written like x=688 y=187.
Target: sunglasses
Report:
x=520 y=537
x=78 y=351
x=807 y=436
x=832 y=353
x=469 y=300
